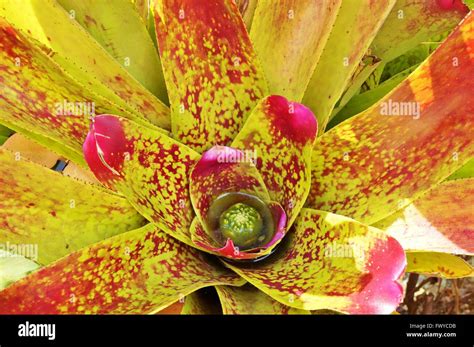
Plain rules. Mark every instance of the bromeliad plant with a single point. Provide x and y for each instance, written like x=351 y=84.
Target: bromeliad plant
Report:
x=233 y=186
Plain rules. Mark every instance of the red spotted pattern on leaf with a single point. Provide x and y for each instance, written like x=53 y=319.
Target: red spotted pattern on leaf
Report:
x=210 y=68
x=379 y=161
x=148 y=167
x=332 y=262
x=282 y=134
x=142 y=271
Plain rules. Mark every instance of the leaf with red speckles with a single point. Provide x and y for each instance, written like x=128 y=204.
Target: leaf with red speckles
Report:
x=412 y=22
x=331 y=262
x=210 y=69
x=227 y=170
x=41 y=207
x=442 y=220
x=250 y=300
x=141 y=271
x=122 y=33
x=147 y=166
x=281 y=134
x=353 y=31
x=39 y=97
x=382 y=159
x=409 y=24
x=289 y=37
x=438 y=264
x=58 y=34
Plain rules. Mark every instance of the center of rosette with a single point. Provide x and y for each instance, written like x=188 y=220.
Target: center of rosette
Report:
x=243 y=218
x=243 y=224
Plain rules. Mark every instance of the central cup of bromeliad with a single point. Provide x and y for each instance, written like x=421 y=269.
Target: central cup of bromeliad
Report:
x=243 y=224
x=243 y=218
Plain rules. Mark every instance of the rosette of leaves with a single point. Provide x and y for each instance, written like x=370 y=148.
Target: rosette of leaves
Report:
x=197 y=151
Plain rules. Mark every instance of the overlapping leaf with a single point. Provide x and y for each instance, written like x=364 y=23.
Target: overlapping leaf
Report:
x=173 y=309
x=142 y=8
x=247 y=11
x=210 y=68
x=250 y=300
x=466 y=171
x=366 y=67
x=440 y=221
x=148 y=167
x=289 y=37
x=412 y=22
x=70 y=46
x=4 y=131
x=54 y=215
x=52 y=145
x=279 y=137
x=387 y=156
x=123 y=34
x=202 y=302
x=141 y=271
x=14 y=267
x=350 y=37
x=38 y=96
x=331 y=262
x=438 y=264
x=409 y=23
x=25 y=149
x=363 y=101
